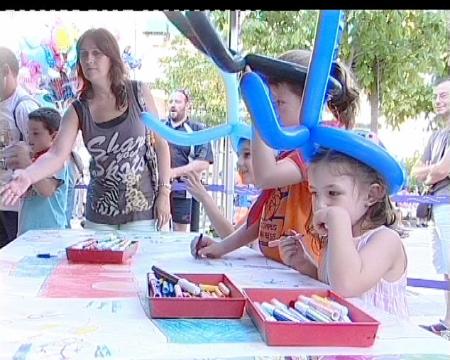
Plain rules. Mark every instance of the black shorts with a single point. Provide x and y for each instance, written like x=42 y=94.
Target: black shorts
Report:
x=180 y=209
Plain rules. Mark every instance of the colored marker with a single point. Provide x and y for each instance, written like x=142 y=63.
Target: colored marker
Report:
x=198 y=244
x=331 y=303
x=165 y=275
x=165 y=289
x=310 y=312
x=45 y=256
x=267 y=316
x=326 y=310
x=153 y=285
x=177 y=290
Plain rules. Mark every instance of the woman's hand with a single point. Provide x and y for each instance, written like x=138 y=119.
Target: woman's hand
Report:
x=162 y=208
x=14 y=189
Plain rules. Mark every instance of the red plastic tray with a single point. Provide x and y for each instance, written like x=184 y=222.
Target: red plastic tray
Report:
x=101 y=256
x=360 y=333
x=231 y=307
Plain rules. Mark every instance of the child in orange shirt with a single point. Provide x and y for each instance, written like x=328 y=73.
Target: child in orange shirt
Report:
x=285 y=203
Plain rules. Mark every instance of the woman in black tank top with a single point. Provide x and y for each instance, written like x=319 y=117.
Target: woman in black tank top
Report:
x=127 y=183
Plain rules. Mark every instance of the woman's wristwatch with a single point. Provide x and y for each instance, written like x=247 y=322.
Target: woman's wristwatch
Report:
x=165 y=185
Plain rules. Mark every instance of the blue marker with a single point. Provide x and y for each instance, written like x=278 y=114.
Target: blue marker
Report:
x=171 y=290
x=45 y=256
x=165 y=289
x=281 y=315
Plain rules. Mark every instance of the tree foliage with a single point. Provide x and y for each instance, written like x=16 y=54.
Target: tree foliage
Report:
x=191 y=70
x=392 y=53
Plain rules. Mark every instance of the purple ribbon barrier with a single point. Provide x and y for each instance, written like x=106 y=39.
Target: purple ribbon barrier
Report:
x=430 y=284
x=240 y=190
x=244 y=190
x=421 y=199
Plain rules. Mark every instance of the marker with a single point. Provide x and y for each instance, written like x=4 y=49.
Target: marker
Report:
x=198 y=244
x=273 y=243
x=165 y=289
x=45 y=256
x=177 y=290
x=267 y=316
x=322 y=308
x=284 y=316
x=328 y=302
x=165 y=275
x=153 y=285
x=308 y=311
x=184 y=283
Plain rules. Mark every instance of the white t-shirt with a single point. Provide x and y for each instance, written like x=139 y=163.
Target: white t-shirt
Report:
x=9 y=130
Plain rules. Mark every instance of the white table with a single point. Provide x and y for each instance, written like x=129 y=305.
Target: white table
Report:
x=50 y=308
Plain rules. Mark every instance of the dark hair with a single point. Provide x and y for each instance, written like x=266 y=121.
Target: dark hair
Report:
x=107 y=44
x=380 y=213
x=442 y=80
x=51 y=118
x=343 y=107
x=185 y=93
x=9 y=58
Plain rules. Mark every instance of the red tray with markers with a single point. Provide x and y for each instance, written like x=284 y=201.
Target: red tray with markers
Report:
x=230 y=307
x=104 y=256
x=361 y=332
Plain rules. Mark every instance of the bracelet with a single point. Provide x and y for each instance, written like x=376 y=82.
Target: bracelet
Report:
x=165 y=185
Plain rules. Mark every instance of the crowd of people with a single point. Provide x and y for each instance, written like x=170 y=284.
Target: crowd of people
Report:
x=331 y=219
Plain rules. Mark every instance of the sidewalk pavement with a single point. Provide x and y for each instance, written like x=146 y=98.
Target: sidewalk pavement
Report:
x=426 y=306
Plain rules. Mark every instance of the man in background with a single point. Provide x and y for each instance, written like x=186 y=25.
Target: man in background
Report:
x=15 y=105
x=185 y=159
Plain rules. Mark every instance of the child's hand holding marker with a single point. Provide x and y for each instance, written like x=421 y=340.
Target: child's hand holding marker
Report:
x=293 y=253
x=204 y=246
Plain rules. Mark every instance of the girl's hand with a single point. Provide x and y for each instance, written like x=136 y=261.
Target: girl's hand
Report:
x=328 y=217
x=162 y=208
x=205 y=247
x=195 y=186
x=12 y=191
x=293 y=254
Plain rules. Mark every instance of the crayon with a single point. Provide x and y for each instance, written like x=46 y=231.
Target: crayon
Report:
x=189 y=287
x=219 y=293
x=223 y=289
x=177 y=290
x=207 y=287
